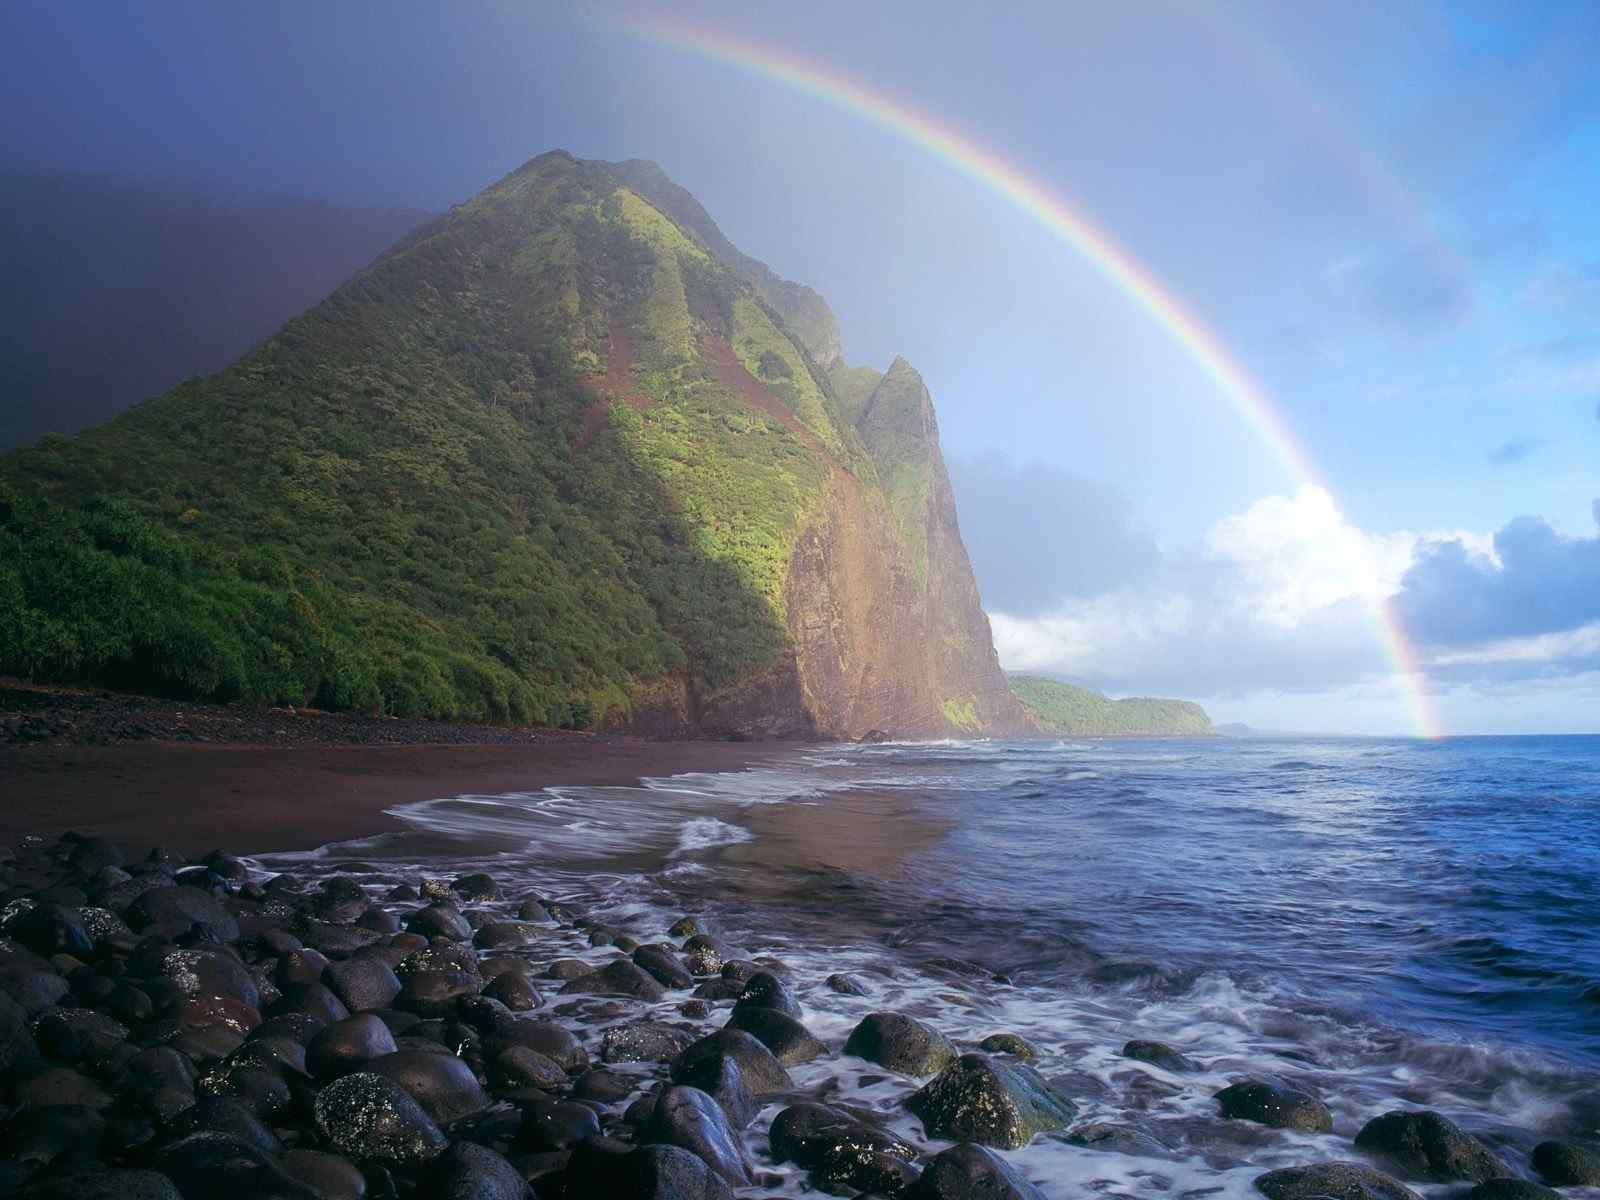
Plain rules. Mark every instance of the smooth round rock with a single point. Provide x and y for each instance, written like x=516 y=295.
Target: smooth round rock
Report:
x=900 y=1043
x=1332 y=1181
x=1280 y=1108
x=1425 y=1145
x=368 y=1117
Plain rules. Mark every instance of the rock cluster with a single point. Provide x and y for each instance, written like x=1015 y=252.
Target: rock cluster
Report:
x=174 y=1030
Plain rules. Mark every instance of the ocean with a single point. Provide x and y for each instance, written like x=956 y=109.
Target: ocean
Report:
x=1384 y=923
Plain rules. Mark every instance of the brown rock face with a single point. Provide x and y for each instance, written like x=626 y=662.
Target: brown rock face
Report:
x=883 y=609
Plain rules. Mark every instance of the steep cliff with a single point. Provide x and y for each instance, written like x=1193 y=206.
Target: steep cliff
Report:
x=564 y=455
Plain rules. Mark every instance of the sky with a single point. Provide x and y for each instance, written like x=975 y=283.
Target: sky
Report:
x=1384 y=215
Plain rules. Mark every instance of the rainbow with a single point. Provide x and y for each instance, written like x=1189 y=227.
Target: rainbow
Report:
x=1050 y=210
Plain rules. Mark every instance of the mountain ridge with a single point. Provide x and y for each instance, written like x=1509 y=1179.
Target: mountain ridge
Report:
x=555 y=456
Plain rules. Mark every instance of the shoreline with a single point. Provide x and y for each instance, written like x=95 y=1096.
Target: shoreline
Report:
x=245 y=799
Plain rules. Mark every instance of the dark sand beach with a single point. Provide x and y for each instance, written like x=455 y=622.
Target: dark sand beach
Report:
x=251 y=799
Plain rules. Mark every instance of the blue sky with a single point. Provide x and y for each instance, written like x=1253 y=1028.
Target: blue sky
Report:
x=1386 y=214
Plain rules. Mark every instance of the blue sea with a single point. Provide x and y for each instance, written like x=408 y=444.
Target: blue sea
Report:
x=1382 y=922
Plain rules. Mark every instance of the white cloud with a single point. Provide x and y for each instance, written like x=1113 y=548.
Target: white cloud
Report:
x=1279 y=596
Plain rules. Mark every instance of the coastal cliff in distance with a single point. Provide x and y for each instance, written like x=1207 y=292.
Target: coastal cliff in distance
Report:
x=1065 y=710
x=562 y=456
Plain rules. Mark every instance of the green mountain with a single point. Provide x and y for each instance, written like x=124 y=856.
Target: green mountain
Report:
x=1061 y=708
x=563 y=455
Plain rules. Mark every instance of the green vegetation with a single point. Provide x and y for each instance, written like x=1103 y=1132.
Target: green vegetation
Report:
x=896 y=425
x=1061 y=708
x=853 y=386
x=401 y=502
x=962 y=714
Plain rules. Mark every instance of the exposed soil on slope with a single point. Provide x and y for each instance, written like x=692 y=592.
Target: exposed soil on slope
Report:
x=617 y=382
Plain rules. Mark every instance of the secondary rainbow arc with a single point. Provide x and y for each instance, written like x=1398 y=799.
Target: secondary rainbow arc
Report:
x=1049 y=209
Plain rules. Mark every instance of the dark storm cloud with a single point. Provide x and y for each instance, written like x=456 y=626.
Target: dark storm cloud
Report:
x=1545 y=583
x=1514 y=451
x=1038 y=534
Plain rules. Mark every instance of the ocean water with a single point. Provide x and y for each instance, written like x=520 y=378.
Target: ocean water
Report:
x=1383 y=923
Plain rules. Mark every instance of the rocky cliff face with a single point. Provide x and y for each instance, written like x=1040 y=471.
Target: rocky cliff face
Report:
x=564 y=455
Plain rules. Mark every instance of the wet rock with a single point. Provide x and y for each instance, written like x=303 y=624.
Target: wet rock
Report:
x=555 y=1042
x=603 y=1168
x=1332 y=1181
x=102 y=1183
x=687 y=1117
x=221 y=1114
x=846 y=985
x=1425 y=1145
x=338 y=941
x=1511 y=1189
x=77 y=1035
x=129 y=1004
x=379 y=920
x=661 y=964
x=52 y=929
x=504 y=935
x=978 y=1099
x=533 y=909
x=363 y=984
x=1278 y=1107
x=965 y=1172
x=556 y=1124
x=476 y=887
x=210 y=973
x=1117 y=1139
x=260 y=1087
x=695 y=1010
x=442 y=1083
x=442 y=956
x=643 y=1041
x=301 y=965
x=683 y=927
x=368 y=1117
x=314 y=1000
x=605 y=1087
x=220 y=1164
x=719 y=1078
x=471 y=1172
x=434 y=993
x=518 y=1066
x=16 y=1038
x=620 y=978
x=842 y=1152
x=43 y=1135
x=327 y=1175
x=181 y=908
x=790 y=1042
x=705 y=955
x=567 y=968
x=61 y=1085
x=1567 y=1164
x=1159 y=1054
x=901 y=1044
x=347 y=1045
x=204 y=1012
x=158 y=1080
x=514 y=991
x=440 y=920
x=29 y=990
x=761 y=1073
x=765 y=990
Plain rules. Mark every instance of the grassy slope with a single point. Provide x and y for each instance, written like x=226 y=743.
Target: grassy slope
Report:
x=1061 y=708
x=380 y=509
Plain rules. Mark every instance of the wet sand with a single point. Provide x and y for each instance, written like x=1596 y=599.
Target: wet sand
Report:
x=862 y=832
x=254 y=799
